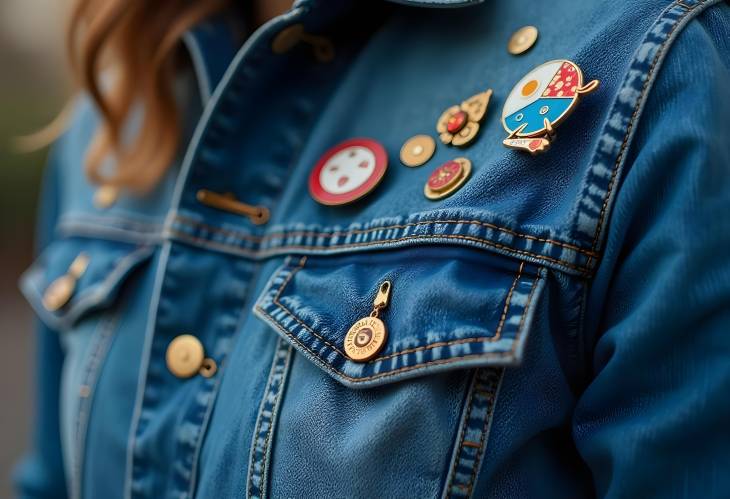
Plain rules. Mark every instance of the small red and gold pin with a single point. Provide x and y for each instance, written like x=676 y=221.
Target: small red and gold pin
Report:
x=447 y=178
x=540 y=102
x=459 y=125
x=348 y=171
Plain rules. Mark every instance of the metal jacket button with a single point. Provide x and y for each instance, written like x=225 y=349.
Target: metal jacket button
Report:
x=290 y=36
x=105 y=196
x=60 y=291
x=185 y=355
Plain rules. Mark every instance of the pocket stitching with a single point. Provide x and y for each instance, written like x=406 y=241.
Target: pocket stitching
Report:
x=584 y=270
x=339 y=233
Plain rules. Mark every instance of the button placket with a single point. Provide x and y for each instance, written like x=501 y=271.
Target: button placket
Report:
x=206 y=161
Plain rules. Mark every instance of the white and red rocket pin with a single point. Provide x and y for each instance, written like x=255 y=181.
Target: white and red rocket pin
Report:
x=459 y=125
x=540 y=102
x=348 y=171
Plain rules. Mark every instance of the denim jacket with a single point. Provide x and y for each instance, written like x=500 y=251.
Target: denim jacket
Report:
x=557 y=328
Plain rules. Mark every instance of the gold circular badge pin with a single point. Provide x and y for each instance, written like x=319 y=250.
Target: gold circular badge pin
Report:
x=367 y=336
x=365 y=339
x=417 y=150
x=105 y=196
x=522 y=40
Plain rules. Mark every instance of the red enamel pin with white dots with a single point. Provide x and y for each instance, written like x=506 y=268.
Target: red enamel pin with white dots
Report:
x=348 y=171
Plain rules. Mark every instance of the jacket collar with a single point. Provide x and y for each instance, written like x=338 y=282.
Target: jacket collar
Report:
x=212 y=46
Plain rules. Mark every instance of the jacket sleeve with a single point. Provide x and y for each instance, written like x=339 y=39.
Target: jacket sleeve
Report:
x=655 y=419
x=41 y=473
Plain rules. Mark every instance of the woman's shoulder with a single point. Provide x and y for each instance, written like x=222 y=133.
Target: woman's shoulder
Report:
x=83 y=207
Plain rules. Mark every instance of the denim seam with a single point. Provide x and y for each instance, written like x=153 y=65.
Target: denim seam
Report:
x=284 y=284
x=388 y=374
x=483 y=391
x=222 y=367
x=253 y=249
x=102 y=341
x=491 y=397
x=268 y=413
x=144 y=366
x=340 y=233
x=587 y=222
x=630 y=126
x=384 y=243
x=462 y=435
x=133 y=224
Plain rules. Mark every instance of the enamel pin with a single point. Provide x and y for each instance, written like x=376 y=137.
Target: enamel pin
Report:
x=417 y=150
x=367 y=337
x=540 y=102
x=447 y=178
x=459 y=125
x=348 y=171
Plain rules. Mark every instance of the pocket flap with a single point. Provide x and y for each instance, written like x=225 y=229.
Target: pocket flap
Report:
x=449 y=308
x=107 y=265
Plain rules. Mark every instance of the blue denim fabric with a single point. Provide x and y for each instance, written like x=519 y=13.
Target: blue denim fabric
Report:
x=557 y=327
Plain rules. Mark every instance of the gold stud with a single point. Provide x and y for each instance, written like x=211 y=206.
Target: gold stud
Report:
x=79 y=265
x=366 y=338
x=287 y=38
x=209 y=368
x=59 y=292
x=105 y=196
x=417 y=150
x=522 y=40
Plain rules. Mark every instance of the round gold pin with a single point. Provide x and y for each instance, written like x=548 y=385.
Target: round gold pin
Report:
x=59 y=292
x=522 y=40
x=365 y=339
x=185 y=356
x=417 y=150
x=105 y=196
x=447 y=178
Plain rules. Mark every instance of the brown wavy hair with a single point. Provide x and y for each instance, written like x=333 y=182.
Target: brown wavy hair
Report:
x=135 y=46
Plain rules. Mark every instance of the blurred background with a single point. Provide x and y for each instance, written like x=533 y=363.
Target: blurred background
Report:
x=33 y=87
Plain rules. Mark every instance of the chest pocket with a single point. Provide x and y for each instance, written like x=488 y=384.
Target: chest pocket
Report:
x=74 y=277
x=450 y=308
x=411 y=421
